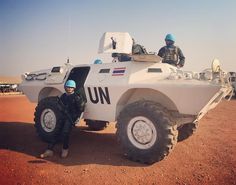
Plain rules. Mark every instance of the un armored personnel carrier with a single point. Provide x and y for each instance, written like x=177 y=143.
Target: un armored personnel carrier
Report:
x=153 y=104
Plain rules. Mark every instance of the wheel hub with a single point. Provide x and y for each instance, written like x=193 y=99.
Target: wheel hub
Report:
x=48 y=120
x=141 y=132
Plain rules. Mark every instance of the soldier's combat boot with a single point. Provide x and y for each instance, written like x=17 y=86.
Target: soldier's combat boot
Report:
x=47 y=153
x=64 y=153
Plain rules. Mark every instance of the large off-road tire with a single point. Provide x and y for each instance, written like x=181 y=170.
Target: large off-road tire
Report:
x=146 y=131
x=95 y=125
x=186 y=130
x=48 y=118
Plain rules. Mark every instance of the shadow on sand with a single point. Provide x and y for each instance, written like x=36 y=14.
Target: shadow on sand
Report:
x=86 y=147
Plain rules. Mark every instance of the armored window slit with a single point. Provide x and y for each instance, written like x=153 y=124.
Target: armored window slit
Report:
x=154 y=70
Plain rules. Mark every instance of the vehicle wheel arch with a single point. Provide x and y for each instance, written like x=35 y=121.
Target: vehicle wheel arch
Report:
x=135 y=94
x=48 y=91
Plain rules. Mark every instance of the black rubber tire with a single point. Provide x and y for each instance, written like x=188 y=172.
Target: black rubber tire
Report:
x=186 y=130
x=52 y=104
x=164 y=126
x=95 y=125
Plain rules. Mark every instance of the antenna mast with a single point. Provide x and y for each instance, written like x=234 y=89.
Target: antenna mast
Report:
x=68 y=38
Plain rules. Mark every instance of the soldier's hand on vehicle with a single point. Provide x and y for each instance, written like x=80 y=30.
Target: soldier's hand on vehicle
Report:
x=179 y=66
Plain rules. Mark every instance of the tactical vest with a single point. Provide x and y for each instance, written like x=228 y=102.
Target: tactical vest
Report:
x=170 y=54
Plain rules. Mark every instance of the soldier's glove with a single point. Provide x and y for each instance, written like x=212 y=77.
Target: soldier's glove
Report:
x=179 y=66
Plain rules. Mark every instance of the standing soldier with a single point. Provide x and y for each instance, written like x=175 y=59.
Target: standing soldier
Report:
x=170 y=53
x=72 y=105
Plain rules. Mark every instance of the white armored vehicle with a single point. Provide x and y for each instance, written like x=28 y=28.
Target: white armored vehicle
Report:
x=153 y=104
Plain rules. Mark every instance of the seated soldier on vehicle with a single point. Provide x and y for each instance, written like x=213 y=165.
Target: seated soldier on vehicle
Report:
x=137 y=49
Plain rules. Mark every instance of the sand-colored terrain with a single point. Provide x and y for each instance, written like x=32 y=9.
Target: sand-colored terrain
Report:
x=208 y=157
x=10 y=79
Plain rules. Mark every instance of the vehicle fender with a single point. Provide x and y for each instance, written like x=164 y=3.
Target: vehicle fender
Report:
x=136 y=94
x=49 y=91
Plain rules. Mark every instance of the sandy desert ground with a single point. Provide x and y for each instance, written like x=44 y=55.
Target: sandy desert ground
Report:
x=208 y=157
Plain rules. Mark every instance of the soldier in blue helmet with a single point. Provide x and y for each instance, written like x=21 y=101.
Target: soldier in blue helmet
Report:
x=170 y=53
x=97 y=61
x=72 y=105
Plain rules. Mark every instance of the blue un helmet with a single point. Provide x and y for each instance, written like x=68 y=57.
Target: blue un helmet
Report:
x=170 y=37
x=97 y=61
x=70 y=83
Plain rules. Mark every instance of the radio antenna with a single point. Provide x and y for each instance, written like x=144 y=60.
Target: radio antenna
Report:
x=68 y=38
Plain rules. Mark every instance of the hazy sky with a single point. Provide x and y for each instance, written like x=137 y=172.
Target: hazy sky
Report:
x=40 y=34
